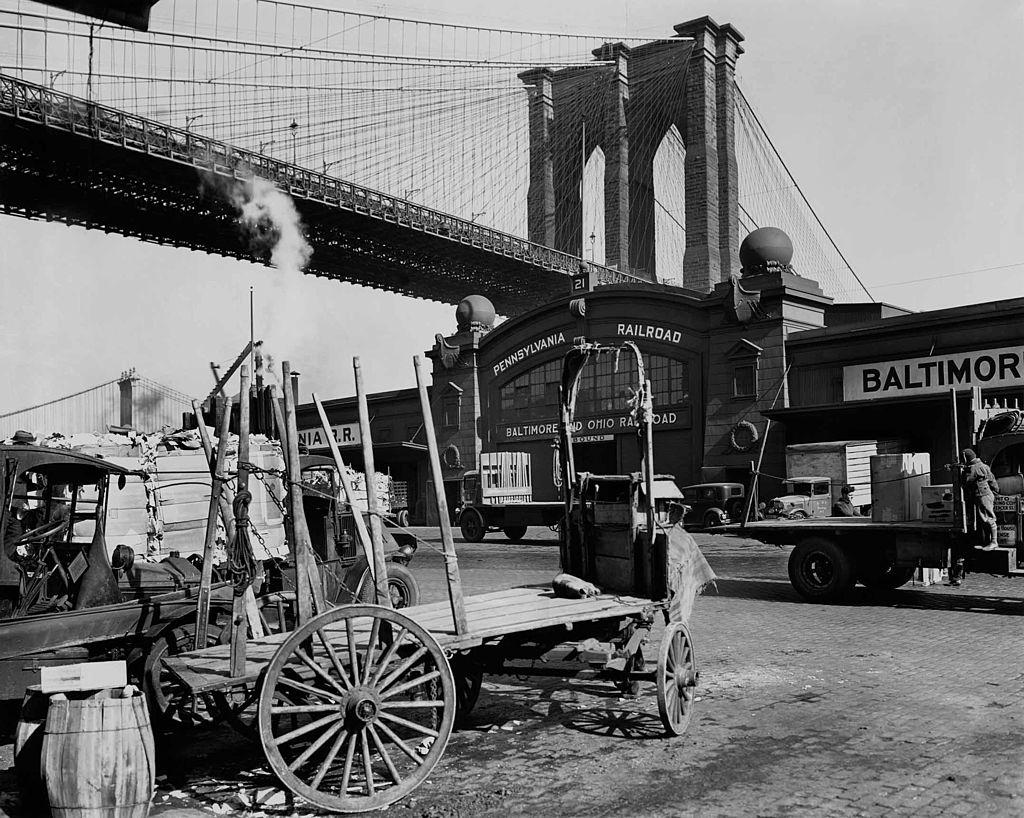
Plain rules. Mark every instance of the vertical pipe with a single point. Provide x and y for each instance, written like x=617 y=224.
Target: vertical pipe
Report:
x=380 y=571
x=652 y=529
x=451 y=560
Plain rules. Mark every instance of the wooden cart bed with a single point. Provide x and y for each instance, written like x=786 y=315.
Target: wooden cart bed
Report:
x=489 y=616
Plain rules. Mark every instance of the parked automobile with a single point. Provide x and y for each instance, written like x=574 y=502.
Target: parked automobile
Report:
x=64 y=597
x=714 y=504
x=343 y=568
x=804 y=497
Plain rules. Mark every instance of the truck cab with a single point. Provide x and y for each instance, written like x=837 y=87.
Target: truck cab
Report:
x=804 y=497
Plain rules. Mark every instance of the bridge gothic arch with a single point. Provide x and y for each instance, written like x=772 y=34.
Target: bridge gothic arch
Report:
x=626 y=103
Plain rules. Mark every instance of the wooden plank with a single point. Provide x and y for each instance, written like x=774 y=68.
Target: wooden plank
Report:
x=530 y=618
x=307 y=576
x=217 y=466
x=361 y=533
x=451 y=560
x=483 y=619
x=380 y=571
x=518 y=610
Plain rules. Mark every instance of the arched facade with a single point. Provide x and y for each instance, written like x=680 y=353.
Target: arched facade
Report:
x=625 y=104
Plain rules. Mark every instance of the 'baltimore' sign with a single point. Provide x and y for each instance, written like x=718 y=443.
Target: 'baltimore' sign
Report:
x=934 y=374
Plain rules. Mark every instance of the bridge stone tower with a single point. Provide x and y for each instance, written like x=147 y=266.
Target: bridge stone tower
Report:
x=625 y=104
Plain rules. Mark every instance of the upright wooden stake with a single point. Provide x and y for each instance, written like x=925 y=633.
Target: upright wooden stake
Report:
x=451 y=560
x=243 y=606
x=216 y=489
x=361 y=533
x=959 y=508
x=380 y=571
x=282 y=429
x=226 y=494
x=307 y=578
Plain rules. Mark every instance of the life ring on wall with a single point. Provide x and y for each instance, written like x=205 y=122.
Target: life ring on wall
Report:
x=743 y=436
x=451 y=457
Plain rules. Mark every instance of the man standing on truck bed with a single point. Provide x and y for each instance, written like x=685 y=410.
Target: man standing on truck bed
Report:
x=980 y=487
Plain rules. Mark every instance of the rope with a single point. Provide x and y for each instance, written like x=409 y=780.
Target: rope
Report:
x=240 y=561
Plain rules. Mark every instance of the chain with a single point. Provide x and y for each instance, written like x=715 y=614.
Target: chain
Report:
x=263 y=542
x=258 y=474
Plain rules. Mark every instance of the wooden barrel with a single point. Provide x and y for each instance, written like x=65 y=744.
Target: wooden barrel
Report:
x=28 y=748
x=98 y=757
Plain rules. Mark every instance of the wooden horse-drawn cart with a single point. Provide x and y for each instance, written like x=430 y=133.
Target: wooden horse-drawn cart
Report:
x=356 y=705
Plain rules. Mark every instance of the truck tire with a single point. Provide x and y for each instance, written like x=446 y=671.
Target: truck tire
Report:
x=472 y=524
x=515 y=532
x=820 y=570
x=881 y=575
x=402 y=584
x=403 y=518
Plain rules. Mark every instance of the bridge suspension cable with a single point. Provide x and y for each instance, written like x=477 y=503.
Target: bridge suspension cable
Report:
x=770 y=196
x=433 y=112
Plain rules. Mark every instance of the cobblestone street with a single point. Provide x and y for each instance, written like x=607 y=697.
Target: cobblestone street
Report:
x=906 y=703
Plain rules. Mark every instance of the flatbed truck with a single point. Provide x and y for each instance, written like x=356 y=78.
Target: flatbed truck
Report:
x=499 y=497
x=831 y=554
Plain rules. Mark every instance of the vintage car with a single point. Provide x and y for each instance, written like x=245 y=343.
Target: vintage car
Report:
x=713 y=504
x=804 y=497
x=65 y=595
x=343 y=568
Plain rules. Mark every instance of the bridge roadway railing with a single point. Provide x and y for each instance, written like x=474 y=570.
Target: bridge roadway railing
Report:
x=35 y=103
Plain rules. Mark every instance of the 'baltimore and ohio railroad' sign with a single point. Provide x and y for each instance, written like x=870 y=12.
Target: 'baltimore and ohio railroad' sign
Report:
x=934 y=374
x=594 y=429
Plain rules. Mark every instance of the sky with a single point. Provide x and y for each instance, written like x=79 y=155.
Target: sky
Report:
x=901 y=121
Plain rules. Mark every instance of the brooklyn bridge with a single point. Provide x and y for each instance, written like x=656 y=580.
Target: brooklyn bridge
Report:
x=424 y=158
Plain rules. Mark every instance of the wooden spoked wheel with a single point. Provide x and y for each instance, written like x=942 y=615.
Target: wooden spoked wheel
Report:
x=173 y=707
x=356 y=708
x=676 y=678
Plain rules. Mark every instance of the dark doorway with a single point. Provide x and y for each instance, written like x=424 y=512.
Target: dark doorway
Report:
x=599 y=458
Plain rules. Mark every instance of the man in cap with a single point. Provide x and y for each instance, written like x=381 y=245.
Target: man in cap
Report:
x=980 y=487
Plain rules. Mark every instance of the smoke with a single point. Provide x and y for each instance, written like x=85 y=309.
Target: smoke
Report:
x=269 y=221
x=268 y=218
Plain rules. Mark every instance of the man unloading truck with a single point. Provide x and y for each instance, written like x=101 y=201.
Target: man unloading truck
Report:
x=980 y=488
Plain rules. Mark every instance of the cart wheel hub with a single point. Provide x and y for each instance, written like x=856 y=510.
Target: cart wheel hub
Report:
x=363 y=705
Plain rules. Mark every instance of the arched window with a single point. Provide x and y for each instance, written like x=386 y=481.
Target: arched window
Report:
x=593 y=207
x=605 y=389
x=670 y=207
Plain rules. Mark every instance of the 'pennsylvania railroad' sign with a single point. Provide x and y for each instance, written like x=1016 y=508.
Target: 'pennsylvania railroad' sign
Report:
x=934 y=374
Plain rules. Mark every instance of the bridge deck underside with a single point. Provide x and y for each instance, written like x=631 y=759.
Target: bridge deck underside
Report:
x=50 y=174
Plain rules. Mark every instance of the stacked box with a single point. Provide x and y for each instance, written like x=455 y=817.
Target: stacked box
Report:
x=896 y=483
x=937 y=503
